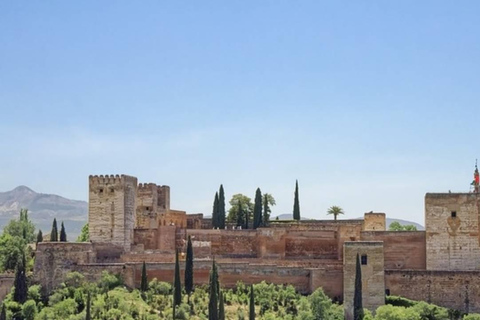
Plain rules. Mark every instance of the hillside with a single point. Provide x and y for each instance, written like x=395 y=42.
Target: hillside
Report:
x=43 y=208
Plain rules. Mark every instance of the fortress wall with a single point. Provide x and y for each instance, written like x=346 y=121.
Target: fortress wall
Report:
x=311 y=245
x=6 y=284
x=452 y=231
x=330 y=279
x=452 y=289
x=374 y=221
x=347 y=232
x=146 y=206
x=53 y=260
x=402 y=249
x=233 y=243
x=271 y=243
x=147 y=237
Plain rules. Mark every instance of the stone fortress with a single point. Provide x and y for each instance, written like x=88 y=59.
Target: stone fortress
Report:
x=130 y=223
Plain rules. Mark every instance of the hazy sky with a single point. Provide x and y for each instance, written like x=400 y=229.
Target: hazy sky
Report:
x=369 y=104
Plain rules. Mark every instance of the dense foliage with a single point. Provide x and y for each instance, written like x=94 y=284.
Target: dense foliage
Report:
x=84 y=234
x=396 y=226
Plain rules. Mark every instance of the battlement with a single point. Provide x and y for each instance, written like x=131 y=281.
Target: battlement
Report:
x=147 y=186
x=100 y=180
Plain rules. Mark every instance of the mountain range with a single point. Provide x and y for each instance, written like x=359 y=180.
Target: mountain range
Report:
x=42 y=209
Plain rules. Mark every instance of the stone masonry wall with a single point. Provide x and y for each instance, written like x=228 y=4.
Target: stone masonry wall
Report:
x=6 y=284
x=112 y=209
x=451 y=289
x=452 y=231
x=402 y=249
x=374 y=222
x=373 y=278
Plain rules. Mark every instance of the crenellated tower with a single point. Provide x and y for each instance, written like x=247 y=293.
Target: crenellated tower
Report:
x=111 y=209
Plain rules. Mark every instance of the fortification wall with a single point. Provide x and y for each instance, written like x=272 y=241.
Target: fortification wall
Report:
x=146 y=206
x=452 y=231
x=452 y=289
x=6 y=284
x=373 y=278
x=374 y=221
x=311 y=245
x=146 y=237
x=53 y=260
x=402 y=249
x=330 y=279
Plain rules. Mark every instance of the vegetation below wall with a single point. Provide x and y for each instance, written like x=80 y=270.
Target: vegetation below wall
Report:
x=111 y=300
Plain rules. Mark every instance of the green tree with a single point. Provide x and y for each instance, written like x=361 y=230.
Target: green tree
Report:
x=320 y=304
x=22 y=228
x=39 y=236
x=240 y=204
x=296 y=204
x=54 y=233
x=335 y=211
x=11 y=250
x=252 y=304
x=144 y=282
x=29 y=310
x=357 y=298
x=189 y=268
x=267 y=201
x=396 y=226
x=221 y=208
x=215 y=211
x=20 y=282
x=84 y=234
x=63 y=234
x=213 y=293
x=177 y=286
x=3 y=314
x=257 y=209
x=88 y=315
x=221 y=306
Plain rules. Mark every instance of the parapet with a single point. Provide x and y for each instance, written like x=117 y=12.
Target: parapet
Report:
x=374 y=221
x=109 y=179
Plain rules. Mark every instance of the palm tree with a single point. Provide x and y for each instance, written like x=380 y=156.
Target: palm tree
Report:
x=335 y=210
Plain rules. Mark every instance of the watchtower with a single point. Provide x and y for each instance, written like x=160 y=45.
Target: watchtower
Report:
x=111 y=209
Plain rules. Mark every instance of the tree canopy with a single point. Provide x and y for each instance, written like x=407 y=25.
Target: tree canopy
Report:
x=396 y=226
x=335 y=211
x=245 y=204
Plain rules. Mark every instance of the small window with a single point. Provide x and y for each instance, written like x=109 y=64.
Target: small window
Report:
x=387 y=292
x=112 y=190
x=101 y=190
x=148 y=208
x=364 y=259
x=454 y=214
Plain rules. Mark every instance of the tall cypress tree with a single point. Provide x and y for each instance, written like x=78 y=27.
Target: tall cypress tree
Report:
x=221 y=208
x=252 y=304
x=213 y=294
x=189 y=268
x=3 y=314
x=357 y=298
x=63 y=234
x=88 y=316
x=296 y=204
x=20 y=283
x=54 y=233
x=177 y=287
x=39 y=236
x=257 y=209
x=144 y=282
x=215 y=211
x=221 y=306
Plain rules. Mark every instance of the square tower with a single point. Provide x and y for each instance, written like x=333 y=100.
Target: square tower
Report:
x=373 y=276
x=452 y=231
x=111 y=209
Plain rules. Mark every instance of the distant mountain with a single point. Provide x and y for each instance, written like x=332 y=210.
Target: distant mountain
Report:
x=289 y=216
x=42 y=208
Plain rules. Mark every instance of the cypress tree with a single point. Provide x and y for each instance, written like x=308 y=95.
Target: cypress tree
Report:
x=296 y=204
x=3 y=314
x=357 y=298
x=88 y=316
x=189 y=268
x=221 y=208
x=144 y=283
x=221 y=307
x=177 y=286
x=20 y=283
x=215 y=211
x=213 y=295
x=39 y=236
x=54 y=233
x=252 y=304
x=63 y=234
x=257 y=209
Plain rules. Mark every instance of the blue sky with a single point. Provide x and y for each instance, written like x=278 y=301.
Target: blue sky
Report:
x=369 y=104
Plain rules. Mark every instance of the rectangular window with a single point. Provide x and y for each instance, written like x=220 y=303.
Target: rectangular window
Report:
x=454 y=214
x=364 y=259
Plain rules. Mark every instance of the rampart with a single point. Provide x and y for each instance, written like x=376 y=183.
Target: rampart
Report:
x=458 y=290
x=6 y=284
